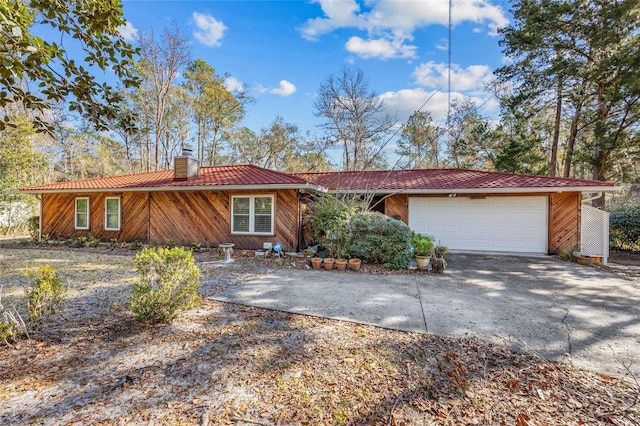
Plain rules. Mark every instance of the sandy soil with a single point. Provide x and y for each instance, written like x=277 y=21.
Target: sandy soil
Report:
x=226 y=364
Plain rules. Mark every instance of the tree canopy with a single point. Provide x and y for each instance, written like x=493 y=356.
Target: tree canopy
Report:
x=37 y=73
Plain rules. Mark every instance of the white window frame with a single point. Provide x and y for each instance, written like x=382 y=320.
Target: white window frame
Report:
x=252 y=214
x=106 y=200
x=88 y=213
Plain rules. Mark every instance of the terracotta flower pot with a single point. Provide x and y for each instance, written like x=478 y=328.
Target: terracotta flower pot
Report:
x=341 y=264
x=329 y=263
x=354 y=264
x=584 y=260
x=316 y=263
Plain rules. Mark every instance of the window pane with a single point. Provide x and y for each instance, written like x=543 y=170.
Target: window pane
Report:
x=81 y=220
x=240 y=223
x=112 y=221
x=241 y=206
x=263 y=205
x=263 y=223
x=112 y=205
x=81 y=205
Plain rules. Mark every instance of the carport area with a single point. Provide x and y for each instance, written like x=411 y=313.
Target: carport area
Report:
x=562 y=311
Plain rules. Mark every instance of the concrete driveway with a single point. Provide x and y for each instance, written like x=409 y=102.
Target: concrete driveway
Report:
x=562 y=311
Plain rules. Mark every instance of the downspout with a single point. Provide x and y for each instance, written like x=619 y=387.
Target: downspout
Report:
x=39 y=197
x=598 y=195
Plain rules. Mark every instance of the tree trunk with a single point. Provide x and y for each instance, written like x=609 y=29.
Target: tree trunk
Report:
x=556 y=131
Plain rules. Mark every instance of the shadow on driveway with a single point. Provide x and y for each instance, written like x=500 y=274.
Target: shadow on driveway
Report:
x=562 y=311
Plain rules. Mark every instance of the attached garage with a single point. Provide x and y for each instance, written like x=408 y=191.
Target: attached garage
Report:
x=514 y=224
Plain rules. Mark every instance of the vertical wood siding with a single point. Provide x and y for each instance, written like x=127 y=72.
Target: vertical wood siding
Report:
x=564 y=221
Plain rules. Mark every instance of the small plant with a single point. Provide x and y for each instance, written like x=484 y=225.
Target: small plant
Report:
x=93 y=242
x=136 y=245
x=439 y=251
x=170 y=244
x=195 y=247
x=567 y=254
x=80 y=242
x=168 y=283
x=44 y=293
x=422 y=245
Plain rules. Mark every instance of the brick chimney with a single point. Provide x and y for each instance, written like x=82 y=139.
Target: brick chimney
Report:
x=185 y=165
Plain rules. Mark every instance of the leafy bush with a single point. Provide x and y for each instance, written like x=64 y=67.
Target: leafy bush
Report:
x=380 y=239
x=624 y=227
x=44 y=293
x=168 y=283
x=329 y=217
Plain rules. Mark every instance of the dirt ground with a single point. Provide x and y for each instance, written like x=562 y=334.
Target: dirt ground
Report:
x=226 y=364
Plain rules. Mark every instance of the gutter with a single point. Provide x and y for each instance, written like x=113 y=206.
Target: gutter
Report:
x=537 y=190
x=263 y=187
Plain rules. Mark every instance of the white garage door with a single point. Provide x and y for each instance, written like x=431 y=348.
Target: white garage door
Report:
x=515 y=224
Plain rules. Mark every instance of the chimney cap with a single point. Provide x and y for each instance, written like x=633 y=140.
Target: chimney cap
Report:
x=187 y=151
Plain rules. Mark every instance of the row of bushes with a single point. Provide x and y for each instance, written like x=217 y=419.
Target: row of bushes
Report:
x=624 y=228
x=345 y=230
x=167 y=284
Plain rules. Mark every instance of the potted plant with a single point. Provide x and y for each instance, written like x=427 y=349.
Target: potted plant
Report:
x=354 y=264
x=316 y=263
x=422 y=249
x=329 y=262
x=438 y=263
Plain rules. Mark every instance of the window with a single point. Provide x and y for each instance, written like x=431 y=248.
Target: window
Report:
x=252 y=214
x=112 y=214
x=82 y=213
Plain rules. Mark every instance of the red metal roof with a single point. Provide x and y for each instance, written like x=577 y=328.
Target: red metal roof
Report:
x=223 y=176
x=409 y=181
x=439 y=180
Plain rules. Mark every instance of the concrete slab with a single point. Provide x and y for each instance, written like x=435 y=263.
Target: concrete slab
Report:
x=562 y=311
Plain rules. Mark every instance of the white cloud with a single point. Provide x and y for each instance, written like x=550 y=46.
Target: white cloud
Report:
x=128 y=32
x=232 y=84
x=380 y=48
x=210 y=30
x=399 y=18
x=435 y=75
x=285 y=89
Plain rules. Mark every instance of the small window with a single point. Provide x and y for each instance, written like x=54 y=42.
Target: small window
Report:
x=82 y=213
x=112 y=214
x=252 y=214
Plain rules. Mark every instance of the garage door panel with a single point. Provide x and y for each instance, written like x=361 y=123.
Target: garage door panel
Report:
x=516 y=224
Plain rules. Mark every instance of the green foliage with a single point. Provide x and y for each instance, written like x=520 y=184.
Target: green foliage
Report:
x=624 y=227
x=44 y=293
x=30 y=61
x=380 y=239
x=33 y=225
x=329 y=216
x=168 y=283
x=422 y=244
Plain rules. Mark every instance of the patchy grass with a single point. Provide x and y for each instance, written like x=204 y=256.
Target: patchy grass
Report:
x=228 y=364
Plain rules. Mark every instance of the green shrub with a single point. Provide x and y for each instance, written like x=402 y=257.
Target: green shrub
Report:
x=624 y=227
x=380 y=239
x=329 y=217
x=168 y=283
x=44 y=293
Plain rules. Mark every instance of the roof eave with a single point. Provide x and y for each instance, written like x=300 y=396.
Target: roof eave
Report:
x=536 y=190
x=174 y=188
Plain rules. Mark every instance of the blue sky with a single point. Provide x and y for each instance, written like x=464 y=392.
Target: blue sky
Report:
x=282 y=51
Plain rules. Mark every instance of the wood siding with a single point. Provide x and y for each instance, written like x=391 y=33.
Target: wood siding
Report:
x=397 y=206
x=187 y=217
x=564 y=221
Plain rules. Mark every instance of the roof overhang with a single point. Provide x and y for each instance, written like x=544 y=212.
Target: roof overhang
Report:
x=537 y=190
x=175 y=189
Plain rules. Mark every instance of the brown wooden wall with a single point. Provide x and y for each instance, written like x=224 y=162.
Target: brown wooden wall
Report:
x=58 y=216
x=564 y=221
x=397 y=206
x=187 y=217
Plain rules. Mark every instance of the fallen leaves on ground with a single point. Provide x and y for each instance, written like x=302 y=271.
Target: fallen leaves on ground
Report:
x=228 y=364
